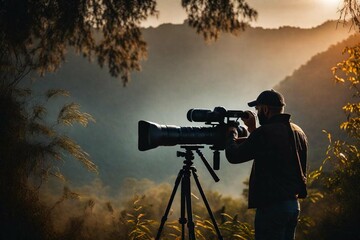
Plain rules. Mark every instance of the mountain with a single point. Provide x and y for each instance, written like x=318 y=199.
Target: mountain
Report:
x=315 y=100
x=181 y=72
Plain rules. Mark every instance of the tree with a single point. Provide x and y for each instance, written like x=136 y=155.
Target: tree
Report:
x=350 y=8
x=108 y=30
x=335 y=213
x=30 y=150
x=339 y=184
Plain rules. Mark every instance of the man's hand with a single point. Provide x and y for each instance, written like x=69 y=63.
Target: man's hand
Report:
x=250 y=122
x=232 y=131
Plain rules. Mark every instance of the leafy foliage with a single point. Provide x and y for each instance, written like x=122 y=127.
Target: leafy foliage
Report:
x=108 y=30
x=138 y=227
x=234 y=229
x=339 y=198
x=46 y=29
x=30 y=151
x=137 y=219
x=351 y=8
x=351 y=68
x=212 y=17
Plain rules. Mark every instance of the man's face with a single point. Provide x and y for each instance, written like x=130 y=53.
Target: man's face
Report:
x=261 y=114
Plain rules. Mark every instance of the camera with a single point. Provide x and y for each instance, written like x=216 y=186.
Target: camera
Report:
x=152 y=135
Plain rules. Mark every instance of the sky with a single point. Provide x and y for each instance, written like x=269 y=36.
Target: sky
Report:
x=271 y=13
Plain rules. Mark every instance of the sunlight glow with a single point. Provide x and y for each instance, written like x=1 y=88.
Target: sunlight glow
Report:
x=331 y=3
x=273 y=13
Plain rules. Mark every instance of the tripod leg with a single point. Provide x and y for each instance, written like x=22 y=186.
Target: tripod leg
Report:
x=164 y=218
x=182 y=219
x=207 y=205
x=187 y=192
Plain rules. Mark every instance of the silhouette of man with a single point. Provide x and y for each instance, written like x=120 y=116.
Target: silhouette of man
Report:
x=277 y=180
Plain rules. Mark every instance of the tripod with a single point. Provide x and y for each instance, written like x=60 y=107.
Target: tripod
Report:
x=184 y=176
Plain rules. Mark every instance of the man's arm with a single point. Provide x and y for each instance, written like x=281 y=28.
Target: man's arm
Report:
x=302 y=145
x=239 y=150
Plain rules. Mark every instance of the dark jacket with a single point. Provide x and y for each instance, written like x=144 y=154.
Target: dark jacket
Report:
x=275 y=174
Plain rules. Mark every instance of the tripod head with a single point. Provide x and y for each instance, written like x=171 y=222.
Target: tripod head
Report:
x=189 y=157
x=188 y=151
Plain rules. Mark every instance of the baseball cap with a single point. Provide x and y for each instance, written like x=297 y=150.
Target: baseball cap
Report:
x=269 y=97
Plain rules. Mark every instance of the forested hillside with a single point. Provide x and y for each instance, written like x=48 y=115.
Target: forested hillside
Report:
x=314 y=98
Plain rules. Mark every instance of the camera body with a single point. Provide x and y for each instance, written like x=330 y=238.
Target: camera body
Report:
x=152 y=135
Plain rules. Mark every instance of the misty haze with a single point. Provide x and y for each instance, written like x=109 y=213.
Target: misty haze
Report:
x=181 y=72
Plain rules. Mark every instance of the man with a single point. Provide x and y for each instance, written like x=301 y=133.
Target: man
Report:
x=277 y=180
